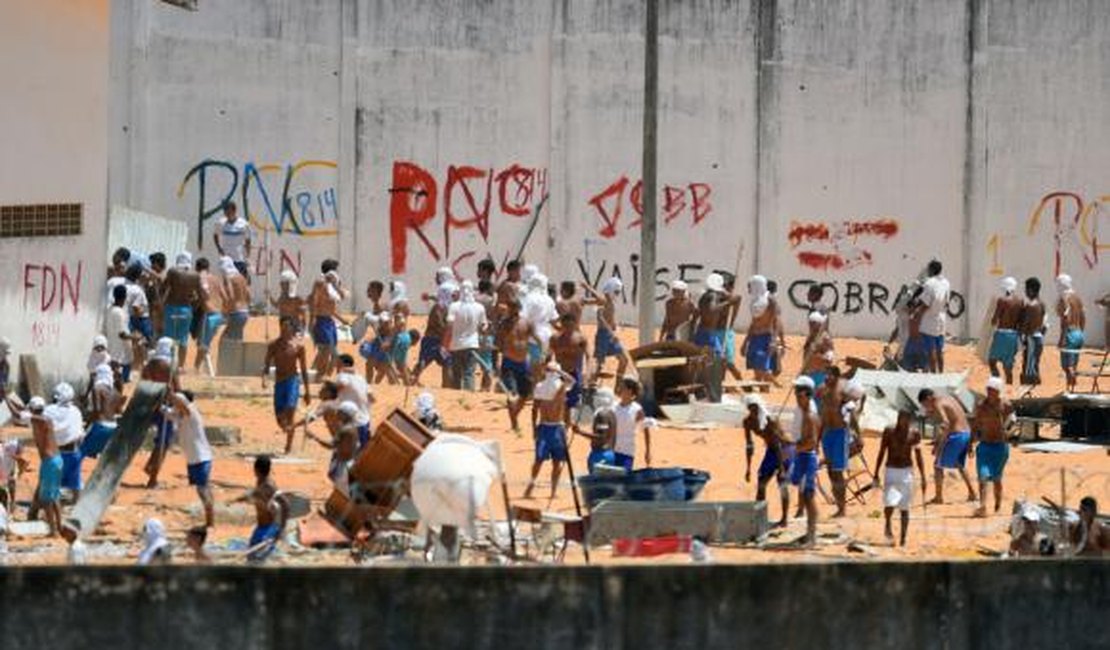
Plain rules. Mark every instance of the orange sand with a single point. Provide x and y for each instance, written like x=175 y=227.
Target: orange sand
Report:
x=939 y=532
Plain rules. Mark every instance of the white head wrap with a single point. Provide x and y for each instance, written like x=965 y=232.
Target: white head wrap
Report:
x=679 y=285
x=817 y=317
x=549 y=387
x=36 y=403
x=349 y=409
x=761 y=409
x=104 y=376
x=467 y=291
x=100 y=341
x=290 y=279
x=445 y=293
x=612 y=285
x=537 y=283
x=804 y=381
x=398 y=293
x=154 y=540
x=854 y=389
x=604 y=398
x=444 y=274
x=760 y=298
x=184 y=261
x=164 y=349
x=5 y=345
x=528 y=272
x=1063 y=283
x=425 y=404
x=995 y=384
x=715 y=282
x=1008 y=285
x=63 y=393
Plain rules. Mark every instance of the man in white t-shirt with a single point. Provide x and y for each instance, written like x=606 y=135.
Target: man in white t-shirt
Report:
x=117 y=331
x=630 y=417
x=352 y=387
x=233 y=238
x=466 y=322
x=933 y=315
x=189 y=425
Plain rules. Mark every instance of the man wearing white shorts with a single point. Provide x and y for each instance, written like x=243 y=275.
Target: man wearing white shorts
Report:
x=899 y=444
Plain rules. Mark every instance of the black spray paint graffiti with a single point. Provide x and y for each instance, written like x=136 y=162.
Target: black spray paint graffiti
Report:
x=847 y=298
x=873 y=297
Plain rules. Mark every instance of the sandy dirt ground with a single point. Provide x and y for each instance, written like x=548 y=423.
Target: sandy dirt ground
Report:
x=936 y=532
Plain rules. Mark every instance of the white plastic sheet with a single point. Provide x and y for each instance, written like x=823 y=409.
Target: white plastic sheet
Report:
x=451 y=480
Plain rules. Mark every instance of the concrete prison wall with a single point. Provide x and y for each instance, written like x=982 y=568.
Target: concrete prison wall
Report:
x=840 y=143
x=1033 y=604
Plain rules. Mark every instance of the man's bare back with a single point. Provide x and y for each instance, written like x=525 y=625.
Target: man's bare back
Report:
x=1008 y=312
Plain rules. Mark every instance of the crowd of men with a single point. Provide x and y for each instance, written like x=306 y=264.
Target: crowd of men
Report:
x=520 y=335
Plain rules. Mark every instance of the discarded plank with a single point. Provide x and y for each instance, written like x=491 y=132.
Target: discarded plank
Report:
x=30 y=380
x=131 y=432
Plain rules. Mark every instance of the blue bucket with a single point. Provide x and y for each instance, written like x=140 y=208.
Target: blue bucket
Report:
x=656 y=484
x=694 y=481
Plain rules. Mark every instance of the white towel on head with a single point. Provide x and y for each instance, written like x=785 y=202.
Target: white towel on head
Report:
x=184 y=261
x=715 y=282
x=466 y=291
x=164 y=349
x=528 y=272
x=290 y=278
x=761 y=409
x=760 y=298
x=604 y=398
x=679 y=285
x=398 y=293
x=1008 y=285
x=1063 y=283
x=549 y=387
x=995 y=383
x=444 y=274
x=817 y=317
x=100 y=341
x=64 y=393
x=612 y=285
x=104 y=376
x=445 y=293
x=154 y=540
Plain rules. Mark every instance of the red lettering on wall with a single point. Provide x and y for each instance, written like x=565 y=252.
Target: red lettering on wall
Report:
x=55 y=287
x=677 y=201
x=412 y=204
x=478 y=214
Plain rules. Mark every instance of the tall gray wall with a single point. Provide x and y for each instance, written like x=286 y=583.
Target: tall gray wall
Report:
x=843 y=143
x=1027 y=604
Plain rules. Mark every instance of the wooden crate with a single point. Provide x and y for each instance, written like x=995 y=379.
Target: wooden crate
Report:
x=384 y=465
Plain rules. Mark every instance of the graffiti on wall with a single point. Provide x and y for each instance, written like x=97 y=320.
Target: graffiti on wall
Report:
x=467 y=198
x=1073 y=223
x=838 y=245
x=677 y=203
x=49 y=291
x=297 y=198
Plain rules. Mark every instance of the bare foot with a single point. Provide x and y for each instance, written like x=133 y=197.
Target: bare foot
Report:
x=889 y=537
x=980 y=513
x=971 y=498
x=780 y=524
x=936 y=501
x=838 y=514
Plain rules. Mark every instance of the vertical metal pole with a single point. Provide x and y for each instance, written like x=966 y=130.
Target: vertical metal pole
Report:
x=646 y=298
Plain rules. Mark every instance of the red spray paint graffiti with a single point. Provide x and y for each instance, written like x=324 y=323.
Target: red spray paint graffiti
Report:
x=677 y=200
x=47 y=287
x=843 y=237
x=1074 y=222
x=468 y=203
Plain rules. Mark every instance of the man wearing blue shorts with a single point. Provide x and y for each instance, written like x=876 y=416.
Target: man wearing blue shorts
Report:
x=287 y=354
x=323 y=303
x=989 y=422
x=182 y=289
x=1073 y=320
x=836 y=439
x=194 y=443
x=778 y=457
x=1009 y=309
x=50 y=464
x=804 y=473
x=514 y=333
x=269 y=512
x=952 y=446
x=714 y=311
x=758 y=345
x=547 y=421
x=569 y=350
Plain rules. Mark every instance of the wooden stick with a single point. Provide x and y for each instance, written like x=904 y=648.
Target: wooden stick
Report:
x=577 y=502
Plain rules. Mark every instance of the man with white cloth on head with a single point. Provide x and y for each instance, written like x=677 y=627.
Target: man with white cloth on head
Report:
x=69 y=429
x=549 y=431
x=538 y=307
x=1073 y=320
x=757 y=346
x=898 y=445
x=933 y=314
x=180 y=291
x=466 y=322
x=1006 y=319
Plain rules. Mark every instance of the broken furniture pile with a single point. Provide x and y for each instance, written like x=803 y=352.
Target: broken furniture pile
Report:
x=1078 y=416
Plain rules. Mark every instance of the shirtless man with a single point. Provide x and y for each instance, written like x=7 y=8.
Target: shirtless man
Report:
x=730 y=328
x=952 y=446
x=1073 y=320
x=50 y=465
x=989 y=422
x=818 y=353
x=932 y=314
x=512 y=339
x=288 y=303
x=548 y=425
x=835 y=439
x=678 y=313
x=778 y=455
x=375 y=290
x=180 y=292
x=323 y=302
x=402 y=339
x=815 y=296
x=569 y=349
x=603 y=437
x=804 y=472
x=509 y=289
x=431 y=344
x=286 y=353
x=1090 y=538
x=1006 y=319
x=487 y=346
x=214 y=304
x=569 y=303
x=105 y=404
x=714 y=308
x=160 y=368
x=1032 y=333
x=270 y=513
x=757 y=346
x=606 y=343
x=152 y=285
x=898 y=445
